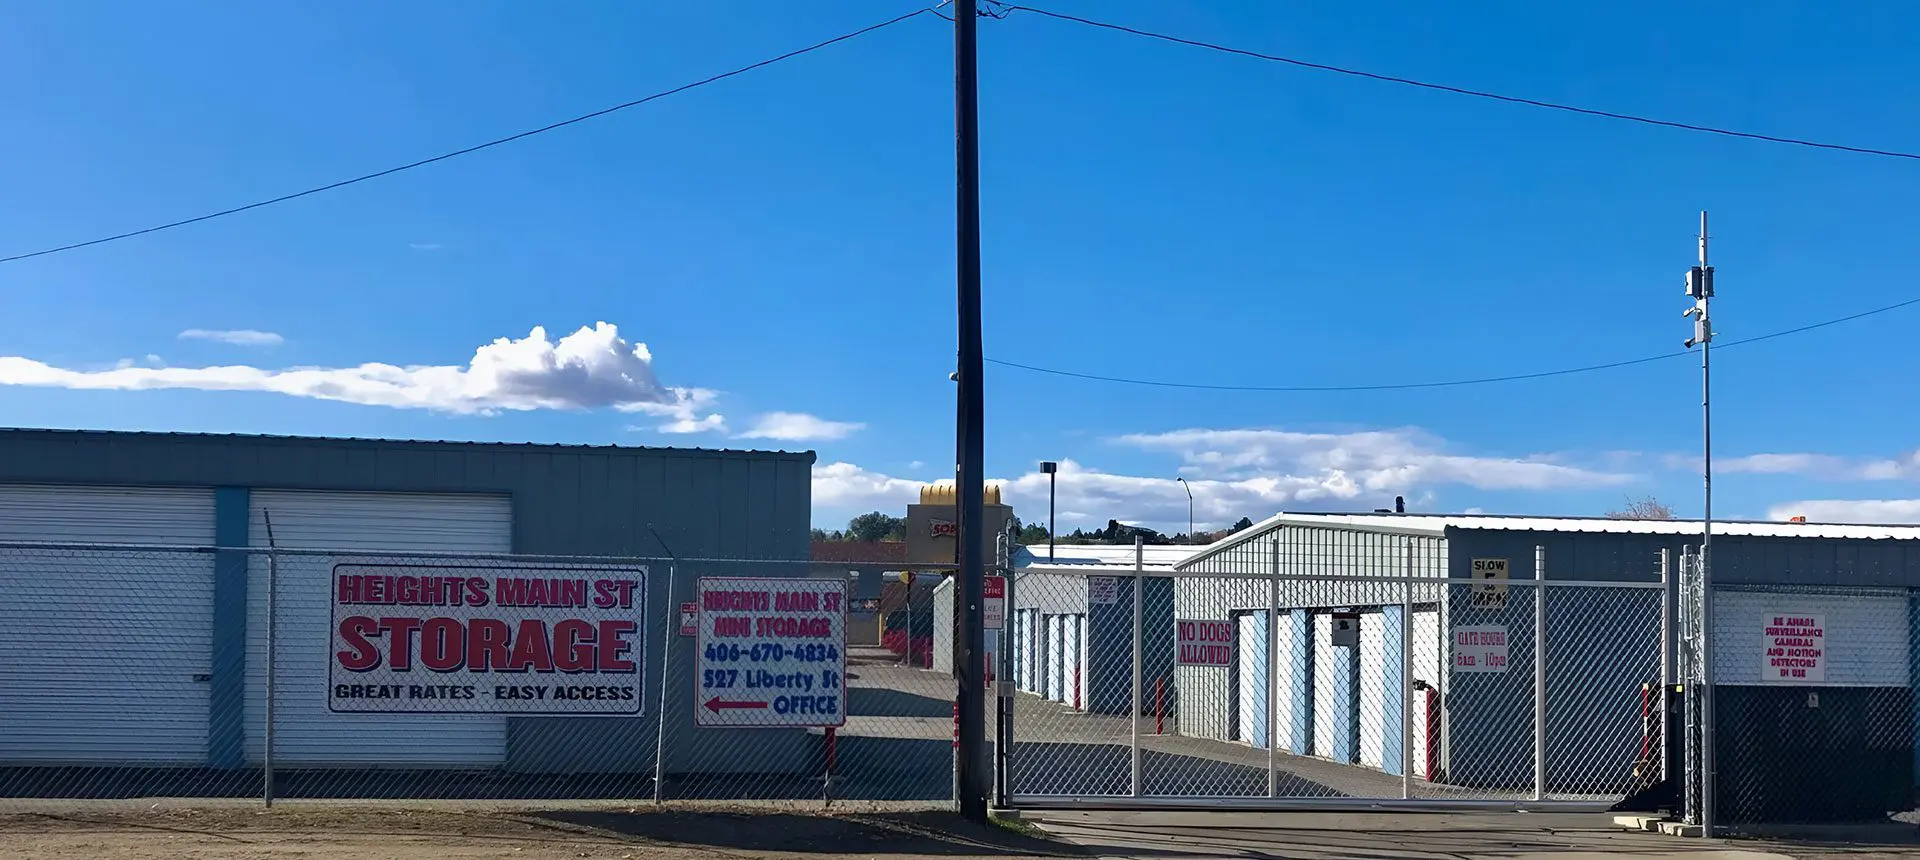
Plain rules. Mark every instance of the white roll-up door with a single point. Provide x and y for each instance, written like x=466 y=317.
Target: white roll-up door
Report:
x=1373 y=689
x=102 y=652
x=1083 y=670
x=1070 y=674
x=1289 y=689
x=362 y=527
x=1426 y=667
x=1325 y=706
x=1250 y=677
x=1030 y=640
x=1056 y=657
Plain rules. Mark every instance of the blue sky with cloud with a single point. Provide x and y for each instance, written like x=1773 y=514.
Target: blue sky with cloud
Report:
x=768 y=261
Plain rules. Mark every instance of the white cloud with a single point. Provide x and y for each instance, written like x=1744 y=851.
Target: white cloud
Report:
x=1903 y=511
x=1828 y=467
x=234 y=337
x=846 y=486
x=590 y=368
x=799 y=427
x=1377 y=461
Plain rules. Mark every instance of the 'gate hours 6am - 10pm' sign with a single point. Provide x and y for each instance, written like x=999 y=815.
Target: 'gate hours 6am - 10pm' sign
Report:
x=486 y=640
x=771 y=653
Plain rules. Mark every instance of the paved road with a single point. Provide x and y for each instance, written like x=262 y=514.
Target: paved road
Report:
x=1409 y=836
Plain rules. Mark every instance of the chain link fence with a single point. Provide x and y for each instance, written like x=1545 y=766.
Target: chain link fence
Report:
x=203 y=672
x=1344 y=673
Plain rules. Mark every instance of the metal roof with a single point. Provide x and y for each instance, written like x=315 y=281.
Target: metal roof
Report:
x=362 y=441
x=1085 y=557
x=1437 y=524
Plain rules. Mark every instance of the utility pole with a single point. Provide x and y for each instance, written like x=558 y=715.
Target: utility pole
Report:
x=1700 y=289
x=1189 y=488
x=970 y=767
x=1053 y=483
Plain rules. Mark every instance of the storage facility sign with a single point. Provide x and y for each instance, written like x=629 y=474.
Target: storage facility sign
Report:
x=772 y=653
x=486 y=639
x=1203 y=643
x=1103 y=590
x=1481 y=648
x=1489 y=588
x=1796 y=646
x=993 y=606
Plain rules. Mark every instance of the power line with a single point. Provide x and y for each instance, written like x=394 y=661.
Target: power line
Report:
x=1451 y=383
x=1482 y=94
x=471 y=149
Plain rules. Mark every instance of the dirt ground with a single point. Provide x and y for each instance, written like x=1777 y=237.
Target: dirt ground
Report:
x=305 y=832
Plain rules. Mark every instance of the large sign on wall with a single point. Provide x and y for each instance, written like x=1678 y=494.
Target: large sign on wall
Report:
x=1796 y=649
x=487 y=640
x=771 y=653
x=1203 y=642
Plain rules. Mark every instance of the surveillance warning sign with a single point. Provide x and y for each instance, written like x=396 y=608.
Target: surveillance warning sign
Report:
x=771 y=653
x=422 y=639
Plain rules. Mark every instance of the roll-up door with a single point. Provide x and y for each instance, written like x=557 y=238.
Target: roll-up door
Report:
x=1326 y=705
x=1250 y=677
x=1056 y=657
x=1374 y=713
x=105 y=654
x=373 y=527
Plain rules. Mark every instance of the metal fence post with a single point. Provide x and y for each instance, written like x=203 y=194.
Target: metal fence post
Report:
x=1540 y=673
x=1667 y=655
x=1273 y=675
x=1406 y=673
x=1709 y=767
x=667 y=633
x=1139 y=569
x=273 y=615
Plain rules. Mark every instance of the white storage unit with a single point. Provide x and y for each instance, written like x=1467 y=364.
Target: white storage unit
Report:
x=1075 y=655
x=1290 y=690
x=1325 y=709
x=100 y=651
x=1373 y=689
x=306 y=733
x=1056 y=661
x=1426 y=667
x=1250 y=678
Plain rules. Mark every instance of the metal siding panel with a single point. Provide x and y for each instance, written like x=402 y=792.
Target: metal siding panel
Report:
x=1866 y=636
x=305 y=732
x=55 y=605
x=1251 y=654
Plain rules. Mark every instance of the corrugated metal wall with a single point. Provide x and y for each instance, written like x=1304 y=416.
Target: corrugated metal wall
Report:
x=566 y=500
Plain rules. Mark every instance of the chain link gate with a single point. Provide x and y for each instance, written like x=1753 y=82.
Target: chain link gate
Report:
x=1350 y=671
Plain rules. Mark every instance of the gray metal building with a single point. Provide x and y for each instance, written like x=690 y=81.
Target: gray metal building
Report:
x=1286 y=582
x=187 y=689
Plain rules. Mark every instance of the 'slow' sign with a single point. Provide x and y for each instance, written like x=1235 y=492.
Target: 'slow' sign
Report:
x=1204 y=643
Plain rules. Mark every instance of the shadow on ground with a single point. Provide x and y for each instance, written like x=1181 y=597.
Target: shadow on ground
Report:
x=927 y=833
x=1106 y=770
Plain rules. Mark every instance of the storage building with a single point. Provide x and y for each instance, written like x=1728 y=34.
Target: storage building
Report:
x=1389 y=639
x=157 y=658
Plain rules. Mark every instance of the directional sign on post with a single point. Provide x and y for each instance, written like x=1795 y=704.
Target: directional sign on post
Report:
x=771 y=653
x=993 y=610
x=689 y=618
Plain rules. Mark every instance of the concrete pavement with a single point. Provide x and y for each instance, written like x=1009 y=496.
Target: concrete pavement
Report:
x=1400 y=836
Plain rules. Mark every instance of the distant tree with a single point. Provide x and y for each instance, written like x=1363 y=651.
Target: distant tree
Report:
x=821 y=535
x=1033 y=533
x=1648 y=508
x=1244 y=524
x=876 y=526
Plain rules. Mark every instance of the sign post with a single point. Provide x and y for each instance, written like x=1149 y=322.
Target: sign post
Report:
x=771 y=653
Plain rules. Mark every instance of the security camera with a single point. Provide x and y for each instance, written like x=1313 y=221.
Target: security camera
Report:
x=954 y=376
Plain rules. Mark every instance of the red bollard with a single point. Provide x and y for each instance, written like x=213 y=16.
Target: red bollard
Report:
x=1160 y=705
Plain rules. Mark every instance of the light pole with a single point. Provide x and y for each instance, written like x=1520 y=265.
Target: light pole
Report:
x=1052 y=471
x=1189 y=489
x=1700 y=289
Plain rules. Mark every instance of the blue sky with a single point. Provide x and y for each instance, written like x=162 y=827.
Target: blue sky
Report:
x=782 y=243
